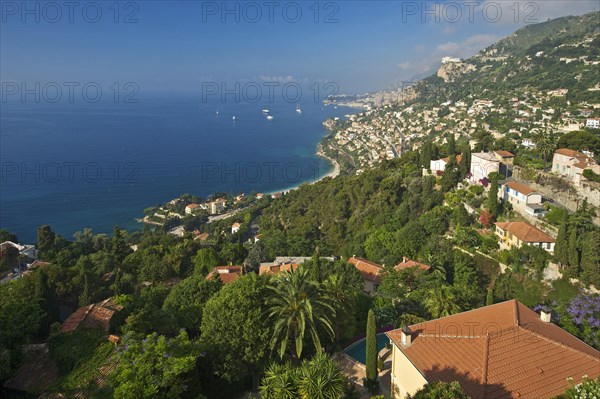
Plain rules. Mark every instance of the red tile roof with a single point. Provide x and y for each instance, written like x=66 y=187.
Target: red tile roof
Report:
x=458 y=158
x=499 y=351
x=227 y=274
x=505 y=154
x=407 y=263
x=370 y=271
x=522 y=188
x=525 y=232
x=96 y=315
x=276 y=269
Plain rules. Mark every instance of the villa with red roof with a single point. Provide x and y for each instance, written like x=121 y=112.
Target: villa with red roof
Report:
x=517 y=234
x=227 y=274
x=408 y=263
x=371 y=273
x=571 y=164
x=505 y=350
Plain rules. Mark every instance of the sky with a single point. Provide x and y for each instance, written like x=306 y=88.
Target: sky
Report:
x=183 y=46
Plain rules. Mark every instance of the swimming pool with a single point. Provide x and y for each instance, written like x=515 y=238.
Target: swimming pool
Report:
x=358 y=350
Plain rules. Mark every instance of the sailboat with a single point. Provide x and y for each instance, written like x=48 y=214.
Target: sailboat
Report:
x=298 y=110
x=270 y=117
x=233 y=118
x=266 y=111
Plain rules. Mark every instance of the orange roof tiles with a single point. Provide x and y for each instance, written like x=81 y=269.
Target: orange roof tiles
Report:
x=505 y=154
x=522 y=188
x=499 y=351
x=227 y=274
x=276 y=269
x=407 y=263
x=525 y=232
x=458 y=158
x=370 y=271
x=96 y=315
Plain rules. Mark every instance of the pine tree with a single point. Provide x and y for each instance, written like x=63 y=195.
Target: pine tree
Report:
x=561 y=247
x=119 y=246
x=465 y=161
x=85 y=298
x=371 y=357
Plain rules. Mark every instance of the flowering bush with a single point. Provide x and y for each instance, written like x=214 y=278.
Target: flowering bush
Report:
x=586 y=389
x=580 y=316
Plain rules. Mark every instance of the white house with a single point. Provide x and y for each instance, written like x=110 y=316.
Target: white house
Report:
x=519 y=195
x=482 y=164
x=191 y=208
x=439 y=165
x=592 y=123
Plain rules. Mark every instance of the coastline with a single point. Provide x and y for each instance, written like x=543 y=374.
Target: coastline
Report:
x=335 y=172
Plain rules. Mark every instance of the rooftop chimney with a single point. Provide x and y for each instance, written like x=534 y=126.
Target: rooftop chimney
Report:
x=406 y=336
x=545 y=316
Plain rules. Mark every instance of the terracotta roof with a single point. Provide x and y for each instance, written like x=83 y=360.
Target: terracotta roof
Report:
x=192 y=206
x=499 y=351
x=505 y=154
x=525 y=232
x=407 y=263
x=523 y=189
x=275 y=269
x=96 y=315
x=569 y=153
x=36 y=375
x=370 y=271
x=227 y=274
x=458 y=159
x=202 y=236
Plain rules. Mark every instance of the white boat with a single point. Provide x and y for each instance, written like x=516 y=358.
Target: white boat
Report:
x=298 y=110
x=270 y=117
x=233 y=117
x=217 y=112
x=266 y=111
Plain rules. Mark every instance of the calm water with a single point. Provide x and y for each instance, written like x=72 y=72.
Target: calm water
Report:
x=97 y=165
x=359 y=350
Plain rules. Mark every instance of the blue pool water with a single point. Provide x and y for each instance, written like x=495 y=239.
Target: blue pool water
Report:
x=358 y=351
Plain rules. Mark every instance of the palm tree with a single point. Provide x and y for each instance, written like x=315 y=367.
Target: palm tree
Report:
x=321 y=378
x=341 y=295
x=441 y=302
x=545 y=144
x=279 y=382
x=295 y=306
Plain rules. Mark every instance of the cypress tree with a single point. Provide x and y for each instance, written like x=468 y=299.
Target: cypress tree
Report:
x=493 y=205
x=371 y=347
x=489 y=299
x=590 y=259
x=561 y=248
x=573 y=253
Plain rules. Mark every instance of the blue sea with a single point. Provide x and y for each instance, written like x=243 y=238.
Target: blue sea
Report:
x=96 y=165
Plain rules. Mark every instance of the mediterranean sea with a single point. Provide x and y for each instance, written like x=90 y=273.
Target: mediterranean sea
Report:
x=97 y=165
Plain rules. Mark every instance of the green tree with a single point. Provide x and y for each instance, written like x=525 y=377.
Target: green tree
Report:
x=465 y=161
x=561 y=247
x=590 y=258
x=318 y=378
x=297 y=307
x=154 y=367
x=205 y=260
x=489 y=298
x=573 y=253
x=440 y=390
x=120 y=248
x=342 y=296
x=371 y=357
x=46 y=239
x=441 y=302
x=492 y=200
x=244 y=348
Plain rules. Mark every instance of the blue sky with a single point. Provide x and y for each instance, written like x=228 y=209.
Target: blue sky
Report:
x=175 y=46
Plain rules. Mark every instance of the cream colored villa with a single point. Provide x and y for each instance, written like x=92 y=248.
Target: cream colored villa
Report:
x=504 y=350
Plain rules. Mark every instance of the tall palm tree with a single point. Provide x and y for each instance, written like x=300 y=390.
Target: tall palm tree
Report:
x=296 y=306
x=545 y=144
x=441 y=302
x=341 y=295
